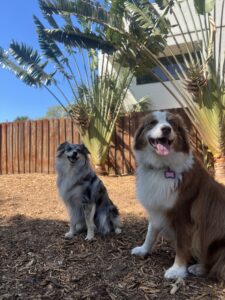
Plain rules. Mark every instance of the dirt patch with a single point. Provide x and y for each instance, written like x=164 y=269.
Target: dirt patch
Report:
x=38 y=263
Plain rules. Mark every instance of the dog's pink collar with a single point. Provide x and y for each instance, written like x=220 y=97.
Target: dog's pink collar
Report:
x=168 y=173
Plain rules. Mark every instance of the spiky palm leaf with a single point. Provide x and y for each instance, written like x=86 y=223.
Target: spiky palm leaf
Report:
x=27 y=65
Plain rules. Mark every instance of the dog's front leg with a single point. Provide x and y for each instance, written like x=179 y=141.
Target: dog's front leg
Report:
x=179 y=268
x=150 y=239
x=73 y=220
x=89 y=212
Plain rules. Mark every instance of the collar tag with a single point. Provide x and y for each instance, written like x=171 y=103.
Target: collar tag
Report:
x=170 y=174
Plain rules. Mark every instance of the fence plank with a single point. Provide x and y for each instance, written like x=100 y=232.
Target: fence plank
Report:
x=9 y=148
x=33 y=150
x=62 y=131
x=52 y=146
x=21 y=148
x=45 y=152
x=27 y=143
x=39 y=166
x=69 y=133
x=4 y=149
x=15 y=148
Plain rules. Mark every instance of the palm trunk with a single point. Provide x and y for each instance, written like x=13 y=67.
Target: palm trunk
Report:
x=219 y=167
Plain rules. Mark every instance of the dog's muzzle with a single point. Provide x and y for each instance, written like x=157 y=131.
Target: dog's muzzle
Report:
x=161 y=145
x=73 y=158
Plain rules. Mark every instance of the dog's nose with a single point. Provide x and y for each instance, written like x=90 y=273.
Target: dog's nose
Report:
x=74 y=155
x=166 y=130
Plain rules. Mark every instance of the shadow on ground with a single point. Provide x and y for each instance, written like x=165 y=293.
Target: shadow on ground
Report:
x=38 y=263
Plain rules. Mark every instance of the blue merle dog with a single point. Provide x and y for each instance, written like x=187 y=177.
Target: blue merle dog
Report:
x=83 y=193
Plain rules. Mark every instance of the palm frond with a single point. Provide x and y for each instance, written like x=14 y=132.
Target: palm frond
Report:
x=73 y=37
x=204 y=7
x=28 y=76
x=31 y=64
x=77 y=7
x=48 y=16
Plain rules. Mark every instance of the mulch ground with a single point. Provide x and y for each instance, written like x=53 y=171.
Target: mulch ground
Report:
x=36 y=262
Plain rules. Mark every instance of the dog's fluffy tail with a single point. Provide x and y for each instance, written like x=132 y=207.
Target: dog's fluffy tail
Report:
x=216 y=259
x=107 y=219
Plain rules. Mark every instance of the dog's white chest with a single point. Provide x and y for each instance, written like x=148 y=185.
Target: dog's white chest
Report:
x=156 y=193
x=67 y=189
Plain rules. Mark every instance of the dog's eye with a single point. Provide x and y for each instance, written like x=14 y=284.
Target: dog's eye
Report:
x=172 y=123
x=153 y=122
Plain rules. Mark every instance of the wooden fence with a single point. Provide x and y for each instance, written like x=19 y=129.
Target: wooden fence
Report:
x=30 y=146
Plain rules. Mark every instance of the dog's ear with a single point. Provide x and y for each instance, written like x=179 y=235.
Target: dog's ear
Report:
x=62 y=146
x=139 y=139
x=85 y=149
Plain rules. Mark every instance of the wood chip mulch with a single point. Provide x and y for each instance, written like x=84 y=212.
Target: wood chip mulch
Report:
x=36 y=262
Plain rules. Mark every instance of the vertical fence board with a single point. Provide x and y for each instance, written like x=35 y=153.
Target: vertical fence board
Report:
x=56 y=131
x=21 y=148
x=4 y=149
x=39 y=166
x=62 y=130
x=15 y=148
x=69 y=133
x=52 y=146
x=33 y=150
x=45 y=152
x=27 y=143
x=9 y=148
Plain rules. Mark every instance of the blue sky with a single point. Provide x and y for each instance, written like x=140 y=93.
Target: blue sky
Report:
x=16 y=98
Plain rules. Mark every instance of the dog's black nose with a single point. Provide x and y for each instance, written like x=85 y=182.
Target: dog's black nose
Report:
x=74 y=155
x=166 y=130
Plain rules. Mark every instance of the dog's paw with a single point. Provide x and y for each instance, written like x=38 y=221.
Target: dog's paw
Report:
x=69 y=235
x=89 y=237
x=176 y=272
x=197 y=269
x=118 y=230
x=140 y=251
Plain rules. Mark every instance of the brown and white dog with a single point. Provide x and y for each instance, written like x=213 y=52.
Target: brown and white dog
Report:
x=185 y=203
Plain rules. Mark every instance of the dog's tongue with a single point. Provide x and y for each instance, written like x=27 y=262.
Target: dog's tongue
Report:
x=162 y=148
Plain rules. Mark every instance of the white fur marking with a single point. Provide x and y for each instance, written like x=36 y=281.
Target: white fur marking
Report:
x=118 y=230
x=150 y=239
x=197 y=269
x=69 y=234
x=175 y=272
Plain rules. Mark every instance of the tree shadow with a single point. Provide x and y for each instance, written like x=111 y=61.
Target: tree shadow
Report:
x=37 y=262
